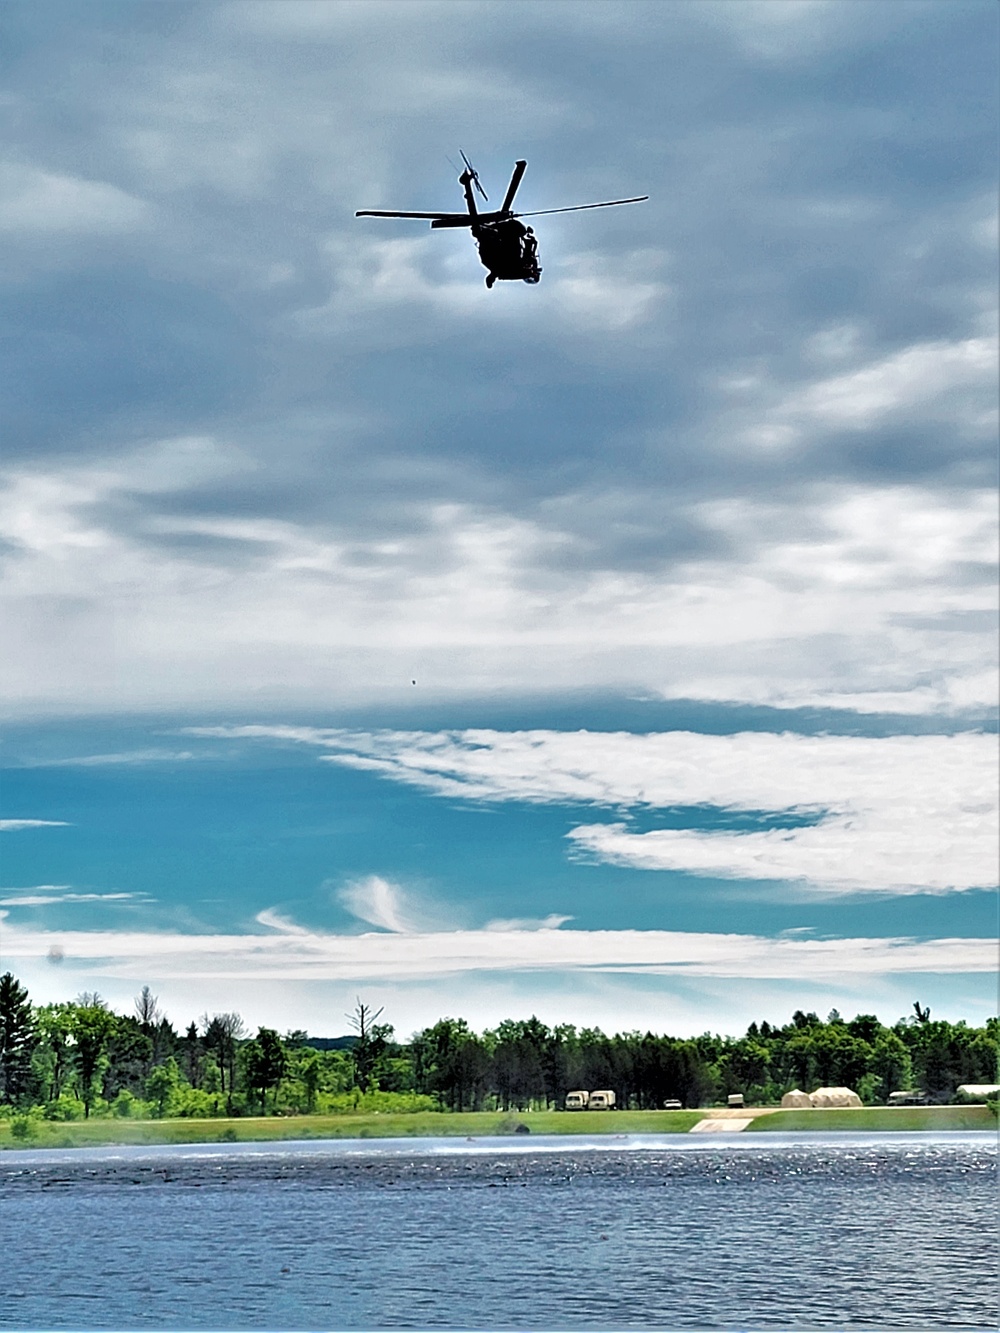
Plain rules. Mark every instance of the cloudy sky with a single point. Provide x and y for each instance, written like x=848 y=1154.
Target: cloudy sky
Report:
x=620 y=649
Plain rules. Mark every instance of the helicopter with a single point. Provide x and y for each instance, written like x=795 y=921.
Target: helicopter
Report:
x=508 y=249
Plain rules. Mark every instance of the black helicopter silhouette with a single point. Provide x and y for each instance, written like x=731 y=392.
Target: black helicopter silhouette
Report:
x=507 y=248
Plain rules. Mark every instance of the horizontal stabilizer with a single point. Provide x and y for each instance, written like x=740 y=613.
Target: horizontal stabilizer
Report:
x=463 y=219
x=383 y=213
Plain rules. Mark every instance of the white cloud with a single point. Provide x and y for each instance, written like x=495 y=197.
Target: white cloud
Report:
x=378 y=902
x=147 y=756
x=551 y=922
x=45 y=900
x=292 y=955
x=586 y=292
x=845 y=596
x=792 y=30
x=39 y=888
x=853 y=853
x=591 y=291
x=900 y=814
x=13 y=825
x=923 y=378
x=278 y=921
x=43 y=203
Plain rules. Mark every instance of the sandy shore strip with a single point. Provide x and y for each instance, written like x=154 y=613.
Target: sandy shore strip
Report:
x=731 y=1125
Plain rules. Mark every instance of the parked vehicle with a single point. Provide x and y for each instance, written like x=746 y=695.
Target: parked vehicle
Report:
x=604 y=1100
x=734 y=1099
x=577 y=1101
x=672 y=1104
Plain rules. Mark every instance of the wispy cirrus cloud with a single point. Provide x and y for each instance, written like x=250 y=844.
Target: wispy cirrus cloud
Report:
x=292 y=954
x=151 y=755
x=389 y=906
x=15 y=825
x=39 y=888
x=276 y=920
x=378 y=902
x=48 y=898
x=551 y=922
x=899 y=814
x=849 y=854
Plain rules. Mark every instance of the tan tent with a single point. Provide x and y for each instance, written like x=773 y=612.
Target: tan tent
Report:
x=834 y=1097
x=796 y=1098
x=978 y=1091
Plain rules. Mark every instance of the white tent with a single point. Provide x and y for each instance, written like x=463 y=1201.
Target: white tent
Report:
x=796 y=1098
x=834 y=1097
x=978 y=1091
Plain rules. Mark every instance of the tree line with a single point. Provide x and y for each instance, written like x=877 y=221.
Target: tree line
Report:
x=78 y=1058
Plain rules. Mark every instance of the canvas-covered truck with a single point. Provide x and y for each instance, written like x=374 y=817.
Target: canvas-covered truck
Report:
x=577 y=1101
x=604 y=1100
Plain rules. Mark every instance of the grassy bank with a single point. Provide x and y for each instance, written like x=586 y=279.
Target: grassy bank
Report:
x=879 y=1118
x=421 y=1124
x=475 y=1124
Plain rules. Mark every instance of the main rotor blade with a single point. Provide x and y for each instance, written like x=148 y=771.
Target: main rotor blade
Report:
x=515 y=181
x=384 y=213
x=578 y=208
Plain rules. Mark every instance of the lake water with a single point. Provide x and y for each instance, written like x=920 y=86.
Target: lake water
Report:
x=669 y=1232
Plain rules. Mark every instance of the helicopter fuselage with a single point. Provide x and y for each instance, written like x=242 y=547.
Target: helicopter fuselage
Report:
x=508 y=250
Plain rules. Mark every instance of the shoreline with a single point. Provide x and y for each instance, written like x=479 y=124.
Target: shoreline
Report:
x=487 y=1124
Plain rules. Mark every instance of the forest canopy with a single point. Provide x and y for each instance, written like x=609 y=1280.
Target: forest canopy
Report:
x=77 y=1059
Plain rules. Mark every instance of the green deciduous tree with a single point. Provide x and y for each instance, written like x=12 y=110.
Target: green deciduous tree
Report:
x=309 y=1073
x=265 y=1062
x=129 y=1058
x=92 y=1029
x=891 y=1065
x=162 y=1084
x=222 y=1035
x=451 y=1063
x=52 y=1061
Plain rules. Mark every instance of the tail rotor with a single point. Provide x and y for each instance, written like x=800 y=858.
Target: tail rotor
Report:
x=473 y=175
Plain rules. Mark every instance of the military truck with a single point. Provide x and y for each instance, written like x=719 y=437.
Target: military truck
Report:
x=604 y=1100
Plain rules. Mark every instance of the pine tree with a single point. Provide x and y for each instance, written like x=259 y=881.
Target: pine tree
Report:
x=17 y=1039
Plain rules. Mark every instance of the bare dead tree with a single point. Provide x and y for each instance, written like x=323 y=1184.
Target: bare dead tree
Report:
x=147 y=1010
x=363 y=1018
x=370 y=1044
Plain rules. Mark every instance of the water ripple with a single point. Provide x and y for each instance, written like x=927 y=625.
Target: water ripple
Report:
x=877 y=1233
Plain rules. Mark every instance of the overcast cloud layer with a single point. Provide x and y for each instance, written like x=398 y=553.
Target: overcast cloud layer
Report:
x=266 y=464
x=738 y=445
